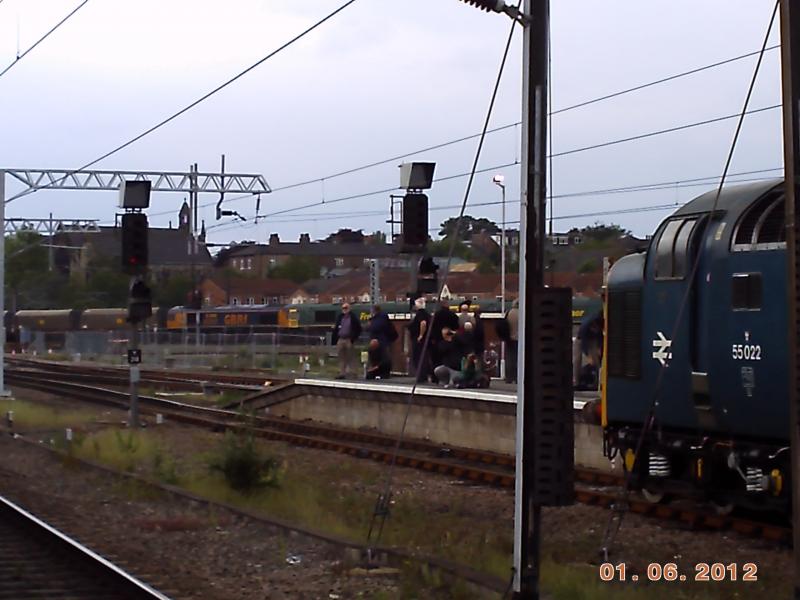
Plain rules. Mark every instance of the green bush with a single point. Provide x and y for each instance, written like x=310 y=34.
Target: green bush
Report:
x=242 y=464
x=589 y=266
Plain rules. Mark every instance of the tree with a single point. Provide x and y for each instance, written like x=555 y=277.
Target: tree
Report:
x=376 y=238
x=589 y=266
x=26 y=258
x=469 y=226
x=346 y=236
x=442 y=248
x=486 y=266
x=174 y=291
x=297 y=269
x=602 y=232
x=28 y=282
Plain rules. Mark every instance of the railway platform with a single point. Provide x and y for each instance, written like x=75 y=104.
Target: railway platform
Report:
x=482 y=419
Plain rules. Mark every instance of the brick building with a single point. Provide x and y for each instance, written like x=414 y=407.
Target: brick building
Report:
x=258 y=259
x=170 y=250
x=225 y=290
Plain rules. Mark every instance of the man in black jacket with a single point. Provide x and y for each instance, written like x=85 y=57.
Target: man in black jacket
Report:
x=444 y=317
x=379 y=366
x=417 y=331
x=345 y=333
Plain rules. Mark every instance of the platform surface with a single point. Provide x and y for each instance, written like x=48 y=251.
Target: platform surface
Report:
x=499 y=392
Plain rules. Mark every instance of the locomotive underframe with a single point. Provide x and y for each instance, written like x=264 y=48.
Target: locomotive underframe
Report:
x=748 y=473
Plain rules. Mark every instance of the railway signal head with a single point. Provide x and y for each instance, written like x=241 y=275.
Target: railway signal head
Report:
x=140 y=302
x=415 y=222
x=427 y=278
x=134 y=243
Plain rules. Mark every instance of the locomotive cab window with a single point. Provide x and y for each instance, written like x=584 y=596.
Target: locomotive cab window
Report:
x=672 y=250
x=746 y=291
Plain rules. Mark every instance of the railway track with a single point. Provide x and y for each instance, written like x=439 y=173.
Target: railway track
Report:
x=481 y=467
x=172 y=379
x=38 y=561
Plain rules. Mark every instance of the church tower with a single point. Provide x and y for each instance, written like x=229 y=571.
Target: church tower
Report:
x=184 y=217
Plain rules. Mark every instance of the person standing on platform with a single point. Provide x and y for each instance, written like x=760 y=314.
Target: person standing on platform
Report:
x=378 y=364
x=381 y=328
x=479 y=334
x=466 y=338
x=588 y=357
x=417 y=330
x=512 y=319
x=345 y=333
x=464 y=316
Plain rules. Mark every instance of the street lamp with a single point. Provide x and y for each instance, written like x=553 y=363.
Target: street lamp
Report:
x=499 y=181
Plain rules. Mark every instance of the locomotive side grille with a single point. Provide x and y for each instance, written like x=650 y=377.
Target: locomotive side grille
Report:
x=625 y=334
x=632 y=328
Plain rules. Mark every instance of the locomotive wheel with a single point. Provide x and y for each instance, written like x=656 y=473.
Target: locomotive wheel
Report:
x=654 y=496
x=722 y=506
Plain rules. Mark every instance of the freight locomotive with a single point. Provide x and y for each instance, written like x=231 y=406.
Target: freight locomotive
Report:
x=696 y=382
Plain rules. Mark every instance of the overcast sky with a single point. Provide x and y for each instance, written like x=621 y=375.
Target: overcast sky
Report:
x=379 y=79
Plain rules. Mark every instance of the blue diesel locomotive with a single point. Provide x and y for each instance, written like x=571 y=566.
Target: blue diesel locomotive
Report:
x=695 y=397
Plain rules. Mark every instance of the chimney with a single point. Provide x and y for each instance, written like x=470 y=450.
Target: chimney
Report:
x=305 y=238
x=274 y=240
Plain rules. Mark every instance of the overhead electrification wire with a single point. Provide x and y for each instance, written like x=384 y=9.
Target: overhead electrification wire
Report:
x=665 y=79
x=190 y=106
x=617 y=515
x=582 y=104
x=504 y=127
x=393 y=158
x=44 y=37
x=383 y=502
x=642 y=136
x=646 y=187
x=513 y=125
x=628 y=139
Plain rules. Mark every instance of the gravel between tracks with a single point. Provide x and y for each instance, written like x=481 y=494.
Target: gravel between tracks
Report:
x=215 y=555
x=177 y=544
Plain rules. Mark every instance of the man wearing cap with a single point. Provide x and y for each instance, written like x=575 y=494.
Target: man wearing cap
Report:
x=345 y=333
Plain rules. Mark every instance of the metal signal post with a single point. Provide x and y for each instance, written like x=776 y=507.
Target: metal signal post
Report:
x=533 y=182
x=544 y=437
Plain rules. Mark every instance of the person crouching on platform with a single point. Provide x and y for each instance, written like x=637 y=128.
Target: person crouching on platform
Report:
x=345 y=333
x=378 y=364
x=450 y=354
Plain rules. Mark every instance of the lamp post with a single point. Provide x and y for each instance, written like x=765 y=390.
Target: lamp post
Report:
x=499 y=181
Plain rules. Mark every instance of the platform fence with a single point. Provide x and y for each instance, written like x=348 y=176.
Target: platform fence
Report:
x=186 y=349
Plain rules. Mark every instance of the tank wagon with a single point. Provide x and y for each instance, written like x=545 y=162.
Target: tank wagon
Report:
x=235 y=319
x=696 y=362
